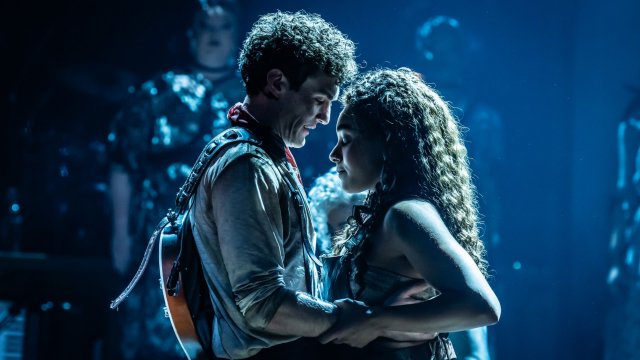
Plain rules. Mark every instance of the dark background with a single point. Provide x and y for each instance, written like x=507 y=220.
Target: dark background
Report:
x=557 y=72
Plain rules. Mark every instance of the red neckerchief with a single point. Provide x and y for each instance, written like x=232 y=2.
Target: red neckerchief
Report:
x=239 y=116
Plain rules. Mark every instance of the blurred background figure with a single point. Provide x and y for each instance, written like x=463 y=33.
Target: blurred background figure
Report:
x=445 y=50
x=330 y=207
x=623 y=323
x=155 y=139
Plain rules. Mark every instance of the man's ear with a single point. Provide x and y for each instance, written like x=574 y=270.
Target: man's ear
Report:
x=277 y=83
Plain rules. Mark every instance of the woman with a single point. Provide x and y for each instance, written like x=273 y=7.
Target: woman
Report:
x=415 y=241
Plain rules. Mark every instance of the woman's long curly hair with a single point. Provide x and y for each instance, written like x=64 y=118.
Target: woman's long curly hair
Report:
x=422 y=141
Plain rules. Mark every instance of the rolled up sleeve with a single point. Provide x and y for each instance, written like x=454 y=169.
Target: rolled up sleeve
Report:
x=246 y=205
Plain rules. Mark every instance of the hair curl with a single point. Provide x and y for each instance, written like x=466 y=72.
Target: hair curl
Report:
x=299 y=44
x=421 y=136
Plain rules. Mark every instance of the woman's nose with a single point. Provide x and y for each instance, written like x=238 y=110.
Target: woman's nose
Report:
x=334 y=155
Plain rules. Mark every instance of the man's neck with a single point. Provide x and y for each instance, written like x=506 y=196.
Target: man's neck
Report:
x=262 y=110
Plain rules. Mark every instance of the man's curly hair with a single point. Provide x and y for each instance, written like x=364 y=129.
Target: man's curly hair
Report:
x=299 y=44
x=421 y=136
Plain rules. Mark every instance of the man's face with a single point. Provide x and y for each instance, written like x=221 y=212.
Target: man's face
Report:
x=304 y=109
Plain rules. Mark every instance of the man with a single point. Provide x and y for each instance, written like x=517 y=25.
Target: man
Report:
x=249 y=230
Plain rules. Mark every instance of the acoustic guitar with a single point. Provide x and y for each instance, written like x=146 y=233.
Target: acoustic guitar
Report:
x=176 y=289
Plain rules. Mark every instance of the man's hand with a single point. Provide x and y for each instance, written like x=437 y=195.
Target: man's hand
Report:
x=355 y=325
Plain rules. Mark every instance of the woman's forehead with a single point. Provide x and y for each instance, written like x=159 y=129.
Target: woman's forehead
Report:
x=347 y=120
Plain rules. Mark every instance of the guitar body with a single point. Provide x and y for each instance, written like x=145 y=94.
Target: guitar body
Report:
x=177 y=305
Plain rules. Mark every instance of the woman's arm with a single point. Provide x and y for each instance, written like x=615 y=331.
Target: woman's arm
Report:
x=466 y=301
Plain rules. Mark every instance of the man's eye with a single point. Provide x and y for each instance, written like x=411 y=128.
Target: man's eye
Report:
x=346 y=140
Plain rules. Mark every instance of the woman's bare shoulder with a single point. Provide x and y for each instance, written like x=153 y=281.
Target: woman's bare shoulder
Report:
x=411 y=213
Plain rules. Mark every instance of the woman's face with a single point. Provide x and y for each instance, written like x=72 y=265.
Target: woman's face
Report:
x=358 y=155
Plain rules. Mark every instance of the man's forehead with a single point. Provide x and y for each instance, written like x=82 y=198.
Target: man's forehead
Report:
x=331 y=91
x=324 y=84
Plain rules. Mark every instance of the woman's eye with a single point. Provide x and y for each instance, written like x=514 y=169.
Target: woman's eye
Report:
x=346 y=140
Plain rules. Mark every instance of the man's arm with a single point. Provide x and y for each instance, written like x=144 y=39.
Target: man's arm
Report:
x=301 y=314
